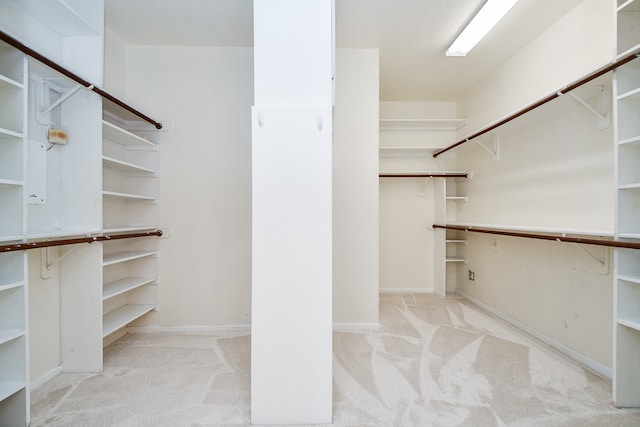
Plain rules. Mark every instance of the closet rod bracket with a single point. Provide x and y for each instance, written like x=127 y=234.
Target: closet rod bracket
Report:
x=62 y=98
x=495 y=151
x=602 y=111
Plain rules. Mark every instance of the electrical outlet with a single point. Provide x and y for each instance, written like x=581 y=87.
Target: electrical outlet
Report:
x=472 y=275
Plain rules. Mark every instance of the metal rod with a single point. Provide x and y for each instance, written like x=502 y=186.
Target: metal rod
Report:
x=597 y=242
x=59 y=68
x=73 y=241
x=586 y=79
x=424 y=175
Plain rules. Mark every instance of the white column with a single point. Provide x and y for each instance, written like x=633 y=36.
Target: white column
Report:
x=291 y=337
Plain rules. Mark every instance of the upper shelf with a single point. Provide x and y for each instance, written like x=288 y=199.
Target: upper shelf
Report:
x=59 y=16
x=422 y=124
x=122 y=136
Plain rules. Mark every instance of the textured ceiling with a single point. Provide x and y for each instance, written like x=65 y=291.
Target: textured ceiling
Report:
x=412 y=35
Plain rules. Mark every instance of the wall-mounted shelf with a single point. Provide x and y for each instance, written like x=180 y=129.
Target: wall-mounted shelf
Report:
x=455 y=259
x=423 y=174
x=125 y=256
x=127 y=196
x=121 y=136
x=421 y=124
x=122 y=316
x=121 y=286
x=457 y=198
x=122 y=166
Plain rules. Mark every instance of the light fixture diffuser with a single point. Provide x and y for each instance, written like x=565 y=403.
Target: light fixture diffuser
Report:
x=488 y=16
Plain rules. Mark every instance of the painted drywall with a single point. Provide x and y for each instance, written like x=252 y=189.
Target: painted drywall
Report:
x=408 y=205
x=555 y=171
x=114 y=64
x=204 y=95
x=355 y=188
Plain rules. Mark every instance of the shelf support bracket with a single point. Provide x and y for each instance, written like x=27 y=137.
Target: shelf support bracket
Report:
x=602 y=111
x=46 y=264
x=62 y=98
x=495 y=151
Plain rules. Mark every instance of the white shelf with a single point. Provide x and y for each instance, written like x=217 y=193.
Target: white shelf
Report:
x=455 y=259
x=127 y=196
x=629 y=186
x=7 y=335
x=405 y=173
x=456 y=241
x=7 y=83
x=121 y=286
x=9 y=388
x=629 y=235
x=632 y=140
x=130 y=228
x=11 y=182
x=407 y=151
x=630 y=279
x=421 y=124
x=8 y=286
x=122 y=166
x=64 y=233
x=630 y=322
x=118 y=257
x=123 y=137
x=58 y=16
x=628 y=94
x=124 y=315
x=15 y=238
x=7 y=132
x=457 y=198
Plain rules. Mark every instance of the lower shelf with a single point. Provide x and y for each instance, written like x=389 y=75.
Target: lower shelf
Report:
x=7 y=389
x=630 y=322
x=9 y=335
x=455 y=259
x=124 y=315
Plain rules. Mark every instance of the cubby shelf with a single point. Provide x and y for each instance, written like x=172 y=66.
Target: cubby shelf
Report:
x=122 y=316
x=121 y=136
x=127 y=196
x=123 y=166
x=630 y=322
x=7 y=335
x=455 y=259
x=10 y=388
x=121 y=286
x=125 y=256
x=7 y=83
x=9 y=133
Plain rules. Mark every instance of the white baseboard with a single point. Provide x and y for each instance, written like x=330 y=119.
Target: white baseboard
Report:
x=597 y=367
x=406 y=290
x=202 y=329
x=47 y=376
x=355 y=327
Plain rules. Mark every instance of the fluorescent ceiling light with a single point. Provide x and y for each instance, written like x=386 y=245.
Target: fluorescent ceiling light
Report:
x=488 y=16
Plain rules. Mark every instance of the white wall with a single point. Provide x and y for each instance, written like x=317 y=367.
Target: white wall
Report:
x=408 y=205
x=355 y=188
x=555 y=170
x=205 y=179
x=114 y=64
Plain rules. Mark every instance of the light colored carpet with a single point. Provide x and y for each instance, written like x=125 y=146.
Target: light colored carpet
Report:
x=434 y=362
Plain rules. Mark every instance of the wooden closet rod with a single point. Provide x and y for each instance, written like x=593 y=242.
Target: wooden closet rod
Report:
x=597 y=73
x=611 y=243
x=59 y=68
x=424 y=175
x=73 y=241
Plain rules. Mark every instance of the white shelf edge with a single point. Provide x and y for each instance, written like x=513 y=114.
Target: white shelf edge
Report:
x=628 y=94
x=455 y=241
x=118 y=287
x=629 y=278
x=11 y=182
x=122 y=316
x=9 y=82
x=629 y=140
x=11 y=285
x=455 y=259
x=110 y=162
x=629 y=235
x=15 y=238
x=9 y=132
x=421 y=124
x=129 y=228
x=127 y=196
x=10 y=388
x=623 y=5
x=630 y=322
x=10 y=335
x=628 y=51
x=112 y=131
x=629 y=186
x=401 y=173
x=537 y=229
x=64 y=233
x=457 y=198
x=119 y=257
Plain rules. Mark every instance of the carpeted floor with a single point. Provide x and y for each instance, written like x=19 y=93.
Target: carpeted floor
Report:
x=434 y=362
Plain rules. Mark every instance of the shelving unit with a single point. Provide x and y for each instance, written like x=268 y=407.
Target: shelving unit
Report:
x=14 y=356
x=129 y=193
x=626 y=90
